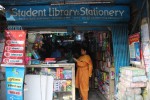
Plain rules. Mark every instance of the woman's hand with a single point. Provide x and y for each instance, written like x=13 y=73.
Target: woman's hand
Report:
x=75 y=59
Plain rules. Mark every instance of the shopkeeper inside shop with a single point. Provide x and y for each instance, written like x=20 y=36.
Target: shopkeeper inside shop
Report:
x=48 y=46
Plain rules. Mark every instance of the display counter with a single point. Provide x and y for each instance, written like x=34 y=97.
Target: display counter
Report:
x=50 y=82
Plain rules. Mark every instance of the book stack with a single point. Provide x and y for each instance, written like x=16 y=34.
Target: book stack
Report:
x=131 y=81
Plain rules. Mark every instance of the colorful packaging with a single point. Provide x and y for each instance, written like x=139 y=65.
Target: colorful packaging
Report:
x=57 y=86
x=59 y=73
x=67 y=74
x=132 y=71
x=135 y=78
x=136 y=91
x=130 y=84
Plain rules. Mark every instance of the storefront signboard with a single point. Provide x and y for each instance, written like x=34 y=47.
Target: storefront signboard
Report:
x=14 y=83
x=14 y=49
x=134 y=48
x=64 y=12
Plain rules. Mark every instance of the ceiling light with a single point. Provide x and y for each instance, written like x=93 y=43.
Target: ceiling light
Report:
x=2 y=8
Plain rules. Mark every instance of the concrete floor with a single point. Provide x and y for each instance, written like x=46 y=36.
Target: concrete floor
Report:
x=93 y=95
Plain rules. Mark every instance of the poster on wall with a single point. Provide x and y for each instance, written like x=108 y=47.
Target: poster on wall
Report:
x=14 y=83
x=134 y=48
x=14 y=49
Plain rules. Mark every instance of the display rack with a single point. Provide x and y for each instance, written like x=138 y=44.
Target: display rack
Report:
x=61 y=91
x=105 y=71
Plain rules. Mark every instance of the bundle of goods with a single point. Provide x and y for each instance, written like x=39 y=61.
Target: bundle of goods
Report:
x=49 y=60
x=131 y=81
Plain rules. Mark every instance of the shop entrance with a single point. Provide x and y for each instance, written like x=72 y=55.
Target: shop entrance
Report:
x=99 y=47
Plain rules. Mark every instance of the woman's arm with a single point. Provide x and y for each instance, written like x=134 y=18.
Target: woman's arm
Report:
x=80 y=63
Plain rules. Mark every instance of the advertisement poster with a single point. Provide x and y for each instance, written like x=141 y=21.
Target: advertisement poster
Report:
x=14 y=83
x=134 y=47
x=14 y=49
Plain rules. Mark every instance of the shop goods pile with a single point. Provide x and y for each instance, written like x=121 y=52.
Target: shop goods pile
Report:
x=131 y=81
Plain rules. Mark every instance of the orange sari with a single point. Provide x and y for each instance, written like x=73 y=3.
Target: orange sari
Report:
x=84 y=71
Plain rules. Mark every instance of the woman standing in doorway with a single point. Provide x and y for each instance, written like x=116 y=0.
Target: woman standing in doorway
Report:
x=84 y=72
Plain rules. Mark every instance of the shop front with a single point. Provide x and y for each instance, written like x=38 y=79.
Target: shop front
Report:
x=102 y=29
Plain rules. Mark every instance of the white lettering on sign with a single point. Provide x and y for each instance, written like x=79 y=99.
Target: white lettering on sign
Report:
x=16 y=54
x=17 y=42
x=9 y=48
x=8 y=54
x=15 y=61
x=7 y=60
x=54 y=12
x=14 y=27
x=29 y=12
x=9 y=42
x=16 y=48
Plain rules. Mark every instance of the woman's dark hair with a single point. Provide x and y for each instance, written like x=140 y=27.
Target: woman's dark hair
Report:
x=85 y=48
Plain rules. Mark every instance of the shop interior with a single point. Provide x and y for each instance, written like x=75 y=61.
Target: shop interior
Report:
x=41 y=46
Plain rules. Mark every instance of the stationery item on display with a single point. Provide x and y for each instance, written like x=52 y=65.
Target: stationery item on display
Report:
x=59 y=73
x=50 y=60
x=28 y=58
x=35 y=62
x=52 y=73
x=35 y=54
x=67 y=74
x=69 y=85
x=57 y=85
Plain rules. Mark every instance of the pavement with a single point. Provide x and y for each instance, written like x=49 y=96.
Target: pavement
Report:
x=93 y=95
